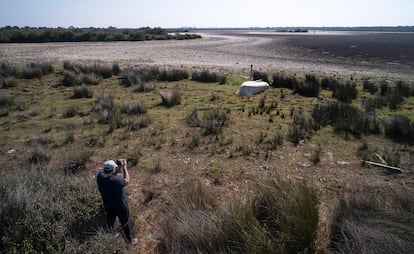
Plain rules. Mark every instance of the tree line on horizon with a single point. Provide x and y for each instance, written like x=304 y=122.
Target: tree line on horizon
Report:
x=16 y=34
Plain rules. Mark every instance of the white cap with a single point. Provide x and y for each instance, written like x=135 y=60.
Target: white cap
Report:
x=109 y=166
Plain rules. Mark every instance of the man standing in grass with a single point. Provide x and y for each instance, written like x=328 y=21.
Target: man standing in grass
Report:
x=112 y=189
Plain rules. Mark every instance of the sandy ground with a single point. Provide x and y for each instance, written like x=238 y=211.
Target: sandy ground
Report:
x=226 y=51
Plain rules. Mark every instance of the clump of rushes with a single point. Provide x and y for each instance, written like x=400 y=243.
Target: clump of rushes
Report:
x=170 y=97
x=205 y=76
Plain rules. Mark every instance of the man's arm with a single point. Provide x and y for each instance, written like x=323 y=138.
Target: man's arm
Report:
x=125 y=173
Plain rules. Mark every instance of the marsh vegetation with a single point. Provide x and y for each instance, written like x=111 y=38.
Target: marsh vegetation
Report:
x=278 y=172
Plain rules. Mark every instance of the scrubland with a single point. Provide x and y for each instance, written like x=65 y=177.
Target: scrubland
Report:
x=278 y=172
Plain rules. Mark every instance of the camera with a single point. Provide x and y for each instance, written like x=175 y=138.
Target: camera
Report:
x=120 y=162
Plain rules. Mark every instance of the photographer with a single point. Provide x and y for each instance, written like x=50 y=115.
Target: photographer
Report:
x=112 y=189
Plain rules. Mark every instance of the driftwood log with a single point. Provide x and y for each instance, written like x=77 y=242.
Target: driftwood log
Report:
x=391 y=168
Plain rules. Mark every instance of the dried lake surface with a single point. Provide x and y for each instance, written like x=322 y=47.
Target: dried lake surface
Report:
x=385 y=54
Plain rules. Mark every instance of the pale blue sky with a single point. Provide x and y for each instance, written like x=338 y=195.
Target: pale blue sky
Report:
x=206 y=13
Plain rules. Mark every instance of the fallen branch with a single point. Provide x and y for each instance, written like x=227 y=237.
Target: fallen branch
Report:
x=391 y=168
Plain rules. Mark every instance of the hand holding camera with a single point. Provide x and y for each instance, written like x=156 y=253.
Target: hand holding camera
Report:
x=121 y=162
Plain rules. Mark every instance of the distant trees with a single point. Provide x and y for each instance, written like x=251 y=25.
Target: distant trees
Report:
x=15 y=34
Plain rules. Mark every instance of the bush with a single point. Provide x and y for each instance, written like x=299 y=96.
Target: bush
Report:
x=329 y=83
x=289 y=212
x=205 y=76
x=108 y=112
x=9 y=82
x=194 y=223
x=370 y=86
x=281 y=217
x=170 y=97
x=140 y=77
x=214 y=120
x=309 y=88
x=6 y=100
x=384 y=88
x=301 y=128
x=345 y=117
x=36 y=70
x=192 y=119
x=116 y=70
x=75 y=159
x=369 y=224
x=403 y=88
x=71 y=78
x=345 y=92
x=39 y=154
x=395 y=99
x=82 y=91
x=173 y=75
x=7 y=70
x=134 y=124
x=103 y=71
x=258 y=75
x=42 y=209
x=274 y=141
x=71 y=111
x=281 y=81
x=136 y=107
x=370 y=104
x=399 y=128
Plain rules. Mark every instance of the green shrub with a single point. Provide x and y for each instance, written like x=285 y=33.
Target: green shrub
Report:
x=282 y=81
x=274 y=141
x=394 y=99
x=309 y=88
x=384 y=88
x=6 y=100
x=281 y=217
x=170 y=97
x=8 y=70
x=71 y=78
x=374 y=222
x=205 y=76
x=214 y=120
x=136 y=107
x=116 y=70
x=329 y=83
x=194 y=223
x=140 y=77
x=301 y=128
x=345 y=117
x=9 y=82
x=370 y=86
x=42 y=209
x=130 y=77
x=108 y=112
x=82 y=91
x=399 y=128
x=75 y=159
x=289 y=212
x=192 y=119
x=258 y=75
x=370 y=104
x=173 y=75
x=71 y=111
x=345 y=92
x=36 y=70
x=137 y=123
x=403 y=88
x=39 y=154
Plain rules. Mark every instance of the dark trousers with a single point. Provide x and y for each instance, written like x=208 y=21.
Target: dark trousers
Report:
x=123 y=214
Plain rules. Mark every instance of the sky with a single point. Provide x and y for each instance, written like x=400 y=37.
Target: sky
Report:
x=205 y=13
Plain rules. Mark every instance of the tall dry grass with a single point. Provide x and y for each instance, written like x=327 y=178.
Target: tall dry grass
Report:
x=280 y=217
